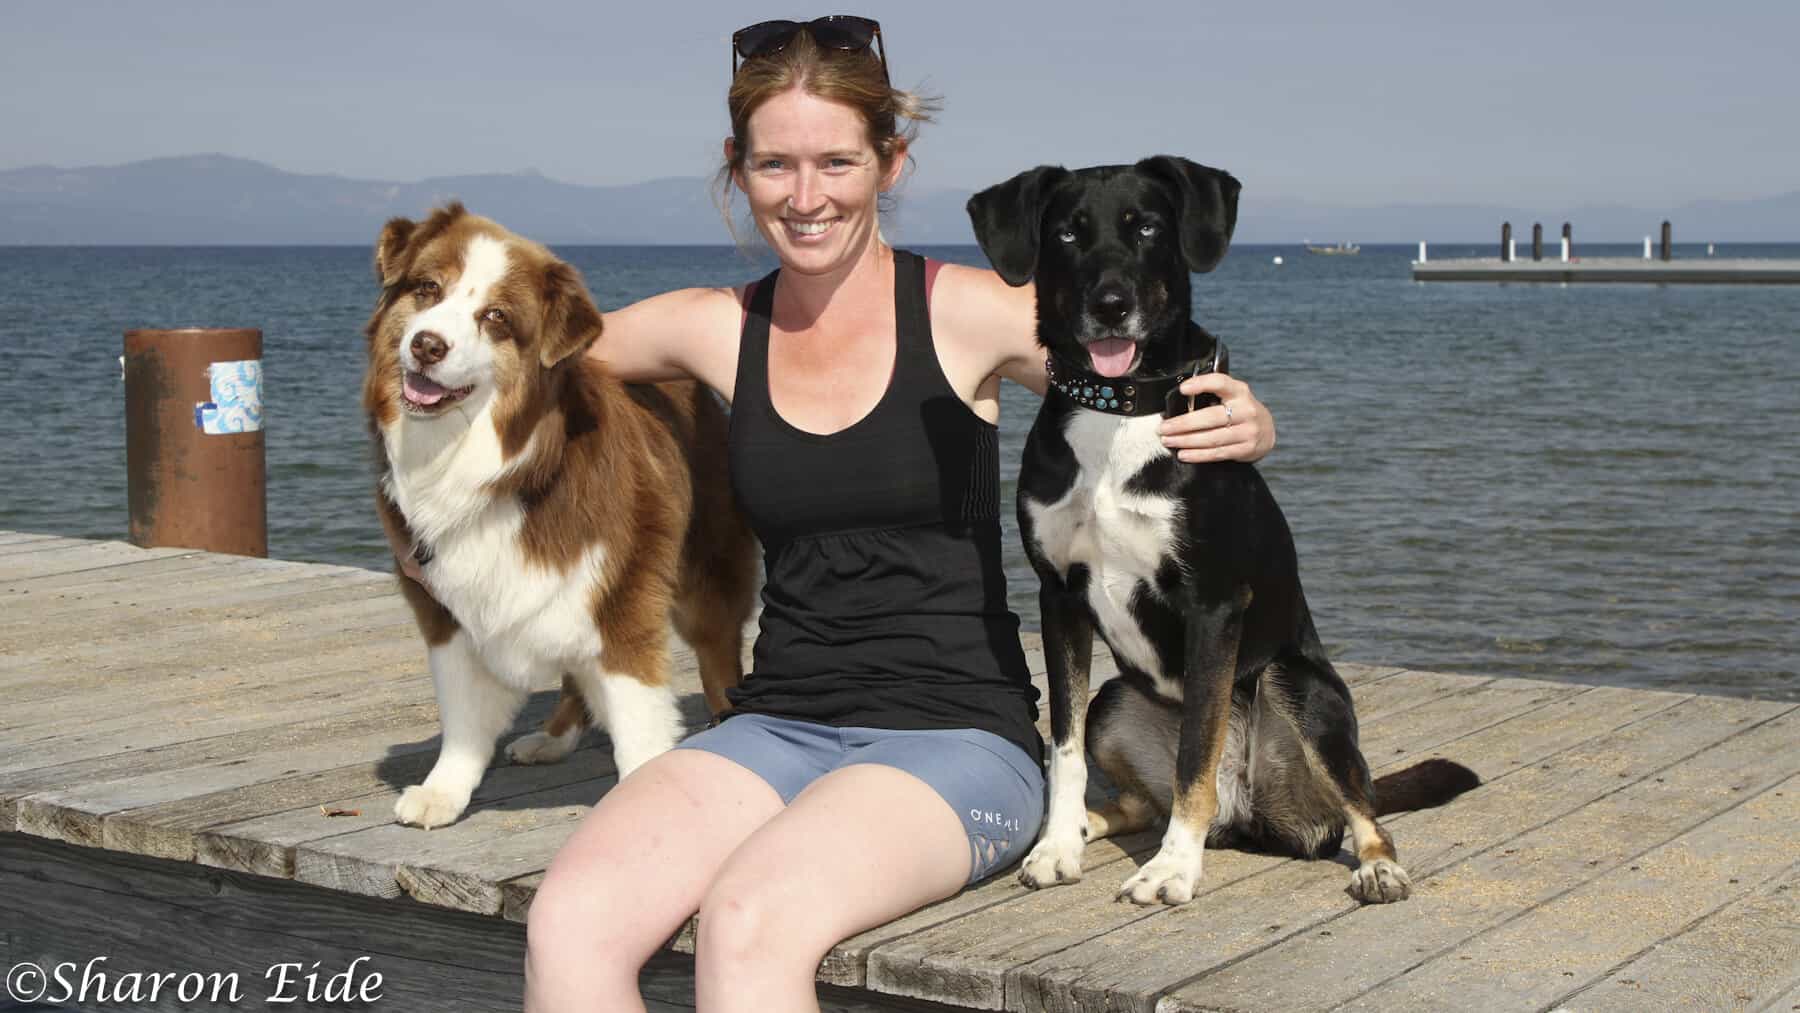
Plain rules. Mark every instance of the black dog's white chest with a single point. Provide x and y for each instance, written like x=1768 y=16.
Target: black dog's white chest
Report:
x=1121 y=535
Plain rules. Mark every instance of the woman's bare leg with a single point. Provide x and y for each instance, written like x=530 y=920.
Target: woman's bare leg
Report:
x=632 y=873
x=861 y=846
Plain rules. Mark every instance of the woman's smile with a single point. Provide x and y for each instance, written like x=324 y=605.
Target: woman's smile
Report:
x=804 y=230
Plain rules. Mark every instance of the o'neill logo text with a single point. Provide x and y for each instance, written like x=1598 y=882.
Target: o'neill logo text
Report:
x=992 y=819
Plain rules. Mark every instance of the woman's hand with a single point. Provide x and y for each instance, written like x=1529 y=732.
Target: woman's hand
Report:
x=410 y=567
x=1240 y=428
x=403 y=551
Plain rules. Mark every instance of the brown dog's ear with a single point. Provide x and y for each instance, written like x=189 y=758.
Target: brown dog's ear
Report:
x=390 y=250
x=571 y=320
x=1208 y=199
x=400 y=236
x=1009 y=219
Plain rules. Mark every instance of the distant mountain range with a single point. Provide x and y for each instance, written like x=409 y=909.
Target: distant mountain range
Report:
x=218 y=199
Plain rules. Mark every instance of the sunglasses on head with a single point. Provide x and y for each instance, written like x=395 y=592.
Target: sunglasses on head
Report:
x=843 y=32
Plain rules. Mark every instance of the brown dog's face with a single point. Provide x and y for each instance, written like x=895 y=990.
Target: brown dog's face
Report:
x=470 y=314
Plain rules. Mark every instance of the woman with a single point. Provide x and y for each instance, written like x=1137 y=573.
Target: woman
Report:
x=882 y=754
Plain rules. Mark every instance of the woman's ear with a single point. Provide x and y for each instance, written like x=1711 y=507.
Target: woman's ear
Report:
x=737 y=171
x=896 y=165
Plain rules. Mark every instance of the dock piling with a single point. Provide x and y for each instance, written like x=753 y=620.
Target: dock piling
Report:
x=1537 y=240
x=1506 y=242
x=194 y=457
x=1568 y=242
x=1667 y=239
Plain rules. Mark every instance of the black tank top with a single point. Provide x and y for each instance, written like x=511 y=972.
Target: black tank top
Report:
x=884 y=601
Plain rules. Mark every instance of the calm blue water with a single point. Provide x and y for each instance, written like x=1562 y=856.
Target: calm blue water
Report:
x=1596 y=482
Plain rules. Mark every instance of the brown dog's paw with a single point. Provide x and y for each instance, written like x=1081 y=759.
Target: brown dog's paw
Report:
x=423 y=805
x=1381 y=881
x=542 y=747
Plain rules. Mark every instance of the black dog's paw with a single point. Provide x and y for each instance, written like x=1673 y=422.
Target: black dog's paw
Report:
x=1380 y=882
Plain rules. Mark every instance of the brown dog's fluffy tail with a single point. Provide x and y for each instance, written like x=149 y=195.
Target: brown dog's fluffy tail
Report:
x=1422 y=786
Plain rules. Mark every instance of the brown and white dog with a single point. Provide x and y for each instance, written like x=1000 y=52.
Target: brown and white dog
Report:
x=562 y=519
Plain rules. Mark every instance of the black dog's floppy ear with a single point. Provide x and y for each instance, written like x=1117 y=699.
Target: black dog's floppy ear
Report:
x=1209 y=203
x=1008 y=219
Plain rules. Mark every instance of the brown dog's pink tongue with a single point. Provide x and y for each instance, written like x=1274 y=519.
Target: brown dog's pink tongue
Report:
x=421 y=390
x=1112 y=356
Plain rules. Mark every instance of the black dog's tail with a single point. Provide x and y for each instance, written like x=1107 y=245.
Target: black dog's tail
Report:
x=1423 y=785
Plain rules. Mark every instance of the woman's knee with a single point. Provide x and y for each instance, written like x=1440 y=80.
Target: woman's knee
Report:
x=575 y=919
x=747 y=918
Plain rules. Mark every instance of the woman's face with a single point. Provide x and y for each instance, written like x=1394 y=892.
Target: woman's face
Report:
x=812 y=179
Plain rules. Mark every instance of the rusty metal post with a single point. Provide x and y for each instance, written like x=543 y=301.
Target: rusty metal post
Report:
x=1667 y=239
x=1537 y=240
x=194 y=459
x=1505 y=242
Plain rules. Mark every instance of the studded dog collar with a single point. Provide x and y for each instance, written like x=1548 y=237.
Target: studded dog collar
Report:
x=1134 y=396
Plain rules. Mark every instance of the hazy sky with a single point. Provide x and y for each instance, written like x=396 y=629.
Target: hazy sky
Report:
x=1352 y=103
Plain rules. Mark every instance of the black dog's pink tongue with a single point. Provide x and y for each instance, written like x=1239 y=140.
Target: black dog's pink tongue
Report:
x=421 y=390
x=1112 y=356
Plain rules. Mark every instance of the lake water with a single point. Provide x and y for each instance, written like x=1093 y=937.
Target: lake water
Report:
x=1590 y=482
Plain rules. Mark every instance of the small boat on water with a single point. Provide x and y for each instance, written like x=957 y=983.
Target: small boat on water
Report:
x=1338 y=250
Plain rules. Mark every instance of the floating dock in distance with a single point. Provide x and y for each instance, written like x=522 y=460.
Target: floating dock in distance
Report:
x=1712 y=271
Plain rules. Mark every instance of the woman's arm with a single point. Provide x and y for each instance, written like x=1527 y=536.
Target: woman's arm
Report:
x=994 y=328
x=688 y=333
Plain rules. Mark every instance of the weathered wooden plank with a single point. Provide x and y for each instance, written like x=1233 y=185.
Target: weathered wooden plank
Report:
x=305 y=781
x=1441 y=720
x=1356 y=674
x=1786 y=1001
x=64 y=613
x=272 y=614
x=138 y=574
x=1405 y=690
x=356 y=680
x=456 y=866
x=1568 y=937
x=264 y=843
x=134 y=575
x=223 y=675
x=17 y=537
x=966 y=961
x=177 y=749
x=1518 y=841
x=363 y=605
x=1742 y=956
x=36 y=713
x=37 y=561
x=76 y=814
x=40 y=543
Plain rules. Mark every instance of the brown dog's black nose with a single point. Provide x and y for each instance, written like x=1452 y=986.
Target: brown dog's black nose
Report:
x=429 y=349
x=1110 y=305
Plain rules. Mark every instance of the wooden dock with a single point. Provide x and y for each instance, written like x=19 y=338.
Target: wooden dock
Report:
x=199 y=756
x=1631 y=270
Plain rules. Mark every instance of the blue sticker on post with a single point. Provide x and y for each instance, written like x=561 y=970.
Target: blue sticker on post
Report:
x=236 y=405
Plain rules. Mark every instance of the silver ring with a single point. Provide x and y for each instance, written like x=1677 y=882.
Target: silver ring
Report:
x=1227 y=405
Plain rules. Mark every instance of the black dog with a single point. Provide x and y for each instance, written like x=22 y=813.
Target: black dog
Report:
x=1227 y=716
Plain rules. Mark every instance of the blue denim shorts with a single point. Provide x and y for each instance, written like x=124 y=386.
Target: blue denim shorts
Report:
x=995 y=788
